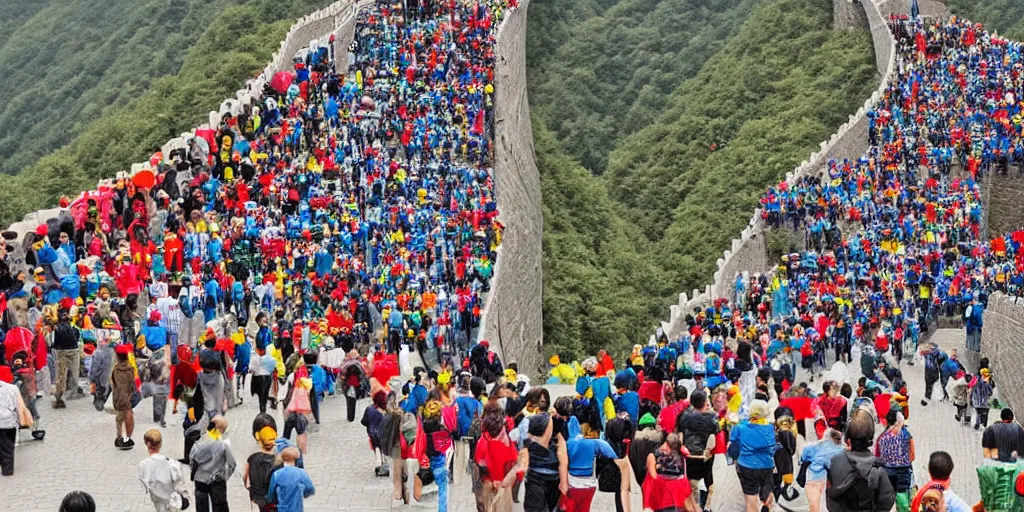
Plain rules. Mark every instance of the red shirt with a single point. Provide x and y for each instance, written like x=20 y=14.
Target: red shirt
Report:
x=496 y=455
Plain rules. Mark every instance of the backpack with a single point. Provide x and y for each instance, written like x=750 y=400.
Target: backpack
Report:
x=185 y=303
x=260 y=470
x=860 y=496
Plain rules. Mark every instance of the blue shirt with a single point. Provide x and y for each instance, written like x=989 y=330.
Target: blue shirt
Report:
x=820 y=456
x=288 y=487
x=757 y=445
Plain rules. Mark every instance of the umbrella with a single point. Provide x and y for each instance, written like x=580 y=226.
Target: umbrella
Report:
x=281 y=81
x=915 y=11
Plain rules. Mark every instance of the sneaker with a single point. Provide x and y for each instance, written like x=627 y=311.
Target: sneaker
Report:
x=38 y=435
x=59 y=404
x=128 y=445
x=923 y=403
x=119 y=443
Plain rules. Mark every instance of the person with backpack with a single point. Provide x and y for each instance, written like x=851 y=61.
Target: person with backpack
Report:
x=438 y=444
x=934 y=358
x=259 y=467
x=353 y=382
x=814 y=463
x=162 y=476
x=298 y=404
x=981 y=394
x=699 y=427
x=212 y=464
x=373 y=420
x=857 y=480
x=155 y=375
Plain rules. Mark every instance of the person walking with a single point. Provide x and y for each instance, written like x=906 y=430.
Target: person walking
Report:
x=981 y=393
x=67 y=354
x=1003 y=441
x=212 y=463
x=895 y=448
x=752 y=443
x=496 y=457
x=290 y=485
x=13 y=414
x=122 y=383
x=856 y=478
x=162 y=477
x=814 y=463
x=545 y=463
x=940 y=468
x=582 y=452
x=934 y=358
x=699 y=427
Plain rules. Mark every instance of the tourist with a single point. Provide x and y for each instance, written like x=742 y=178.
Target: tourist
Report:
x=940 y=469
x=752 y=444
x=122 y=384
x=162 y=477
x=815 y=460
x=1004 y=440
x=982 y=388
x=77 y=501
x=212 y=464
x=895 y=448
x=582 y=453
x=699 y=426
x=496 y=455
x=13 y=415
x=290 y=485
x=857 y=481
x=546 y=465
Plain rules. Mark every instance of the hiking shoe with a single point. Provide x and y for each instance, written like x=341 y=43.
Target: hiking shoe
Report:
x=38 y=435
x=128 y=445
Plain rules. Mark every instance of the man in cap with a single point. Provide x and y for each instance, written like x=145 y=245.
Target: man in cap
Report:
x=67 y=355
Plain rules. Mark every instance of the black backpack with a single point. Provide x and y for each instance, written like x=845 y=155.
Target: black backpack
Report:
x=261 y=467
x=860 y=496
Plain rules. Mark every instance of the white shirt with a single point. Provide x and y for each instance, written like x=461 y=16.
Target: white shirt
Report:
x=9 y=394
x=161 y=476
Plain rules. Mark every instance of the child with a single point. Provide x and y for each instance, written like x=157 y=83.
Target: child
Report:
x=959 y=393
x=290 y=484
x=162 y=477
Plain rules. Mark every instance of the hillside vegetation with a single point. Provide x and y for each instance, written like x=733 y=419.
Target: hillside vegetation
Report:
x=1003 y=16
x=683 y=184
x=114 y=85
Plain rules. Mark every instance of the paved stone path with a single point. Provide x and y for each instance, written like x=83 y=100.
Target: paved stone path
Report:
x=78 y=454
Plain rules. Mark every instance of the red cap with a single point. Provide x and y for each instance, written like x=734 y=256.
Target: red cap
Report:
x=486 y=344
x=155 y=316
x=123 y=349
x=42 y=230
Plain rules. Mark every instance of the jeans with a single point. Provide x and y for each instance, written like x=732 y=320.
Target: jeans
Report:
x=439 y=467
x=172 y=339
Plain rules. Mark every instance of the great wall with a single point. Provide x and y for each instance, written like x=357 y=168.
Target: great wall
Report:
x=512 y=315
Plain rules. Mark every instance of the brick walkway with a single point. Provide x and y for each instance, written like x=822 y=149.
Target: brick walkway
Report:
x=78 y=453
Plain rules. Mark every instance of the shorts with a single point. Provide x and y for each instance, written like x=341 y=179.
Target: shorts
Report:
x=700 y=469
x=298 y=422
x=756 y=482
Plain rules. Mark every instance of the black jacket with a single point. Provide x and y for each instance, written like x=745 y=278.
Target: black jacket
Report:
x=65 y=337
x=858 y=482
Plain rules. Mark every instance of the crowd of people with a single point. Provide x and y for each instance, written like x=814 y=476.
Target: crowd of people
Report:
x=342 y=232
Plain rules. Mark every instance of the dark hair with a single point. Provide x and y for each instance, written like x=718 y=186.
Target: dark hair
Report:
x=309 y=358
x=698 y=398
x=563 y=406
x=680 y=393
x=493 y=420
x=846 y=390
x=380 y=400
x=1007 y=414
x=940 y=465
x=78 y=501
x=892 y=417
x=765 y=374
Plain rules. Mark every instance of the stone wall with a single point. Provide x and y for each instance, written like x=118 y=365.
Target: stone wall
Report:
x=748 y=253
x=512 y=320
x=1002 y=341
x=848 y=14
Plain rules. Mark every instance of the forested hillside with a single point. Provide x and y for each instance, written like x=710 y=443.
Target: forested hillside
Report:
x=108 y=83
x=683 y=176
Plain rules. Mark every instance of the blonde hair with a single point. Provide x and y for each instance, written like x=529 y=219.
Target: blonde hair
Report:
x=153 y=439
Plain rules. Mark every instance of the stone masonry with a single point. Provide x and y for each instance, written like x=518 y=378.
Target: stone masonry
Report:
x=512 y=320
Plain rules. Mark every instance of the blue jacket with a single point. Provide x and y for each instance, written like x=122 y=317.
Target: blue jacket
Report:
x=469 y=408
x=583 y=451
x=628 y=402
x=417 y=397
x=757 y=445
x=288 y=487
x=602 y=389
